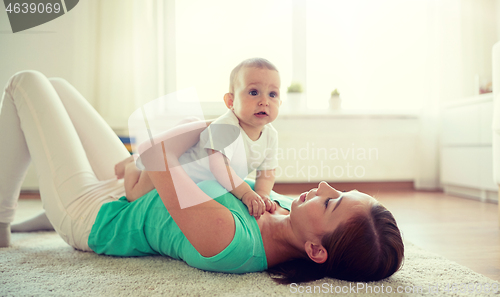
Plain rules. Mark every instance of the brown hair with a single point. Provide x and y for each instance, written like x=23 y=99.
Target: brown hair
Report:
x=252 y=62
x=364 y=248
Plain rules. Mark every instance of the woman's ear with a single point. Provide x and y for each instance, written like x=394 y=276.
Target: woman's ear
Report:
x=316 y=252
x=229 y=99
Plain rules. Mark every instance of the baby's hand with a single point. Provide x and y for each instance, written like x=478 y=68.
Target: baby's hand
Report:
x=120 y=167
x=255 y=204
x=270 y=205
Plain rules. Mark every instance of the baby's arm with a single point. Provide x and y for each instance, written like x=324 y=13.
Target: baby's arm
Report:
x=225 y=175
x=264 y=183
x=120 y=167
x=137 y=182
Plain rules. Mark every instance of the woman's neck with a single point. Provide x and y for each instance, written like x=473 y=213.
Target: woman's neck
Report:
x=280 y=244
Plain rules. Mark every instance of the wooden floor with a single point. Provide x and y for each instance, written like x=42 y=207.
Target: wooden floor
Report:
x=462 y=230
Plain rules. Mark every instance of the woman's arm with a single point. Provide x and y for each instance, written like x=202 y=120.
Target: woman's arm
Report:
x=208 y=225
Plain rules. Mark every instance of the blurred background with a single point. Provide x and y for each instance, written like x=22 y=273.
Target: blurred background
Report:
x=398 y=66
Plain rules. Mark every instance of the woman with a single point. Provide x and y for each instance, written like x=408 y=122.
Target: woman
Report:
x=324 y=232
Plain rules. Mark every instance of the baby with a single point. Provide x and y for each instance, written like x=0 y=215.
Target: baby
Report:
x=238 y=142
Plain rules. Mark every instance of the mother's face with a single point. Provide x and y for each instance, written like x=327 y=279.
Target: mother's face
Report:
x=319 y=211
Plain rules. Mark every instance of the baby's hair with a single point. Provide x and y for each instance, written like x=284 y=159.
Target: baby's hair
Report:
x=252 y=62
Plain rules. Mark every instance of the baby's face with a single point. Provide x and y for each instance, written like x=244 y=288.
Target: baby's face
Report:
x=256 y=97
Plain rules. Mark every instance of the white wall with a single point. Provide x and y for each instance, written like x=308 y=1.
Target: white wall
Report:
x=497 y=18
x=63 y=47
x=479 y=34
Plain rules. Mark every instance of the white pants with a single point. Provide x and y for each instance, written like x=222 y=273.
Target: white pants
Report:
x=73 y=149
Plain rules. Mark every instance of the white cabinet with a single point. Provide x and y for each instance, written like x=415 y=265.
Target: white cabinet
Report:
x=466 y=149
x=346 y=146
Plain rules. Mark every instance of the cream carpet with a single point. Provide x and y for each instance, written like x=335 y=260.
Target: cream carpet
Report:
x=41 y=264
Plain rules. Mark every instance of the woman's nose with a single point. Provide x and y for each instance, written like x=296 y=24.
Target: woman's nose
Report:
x=325 y=188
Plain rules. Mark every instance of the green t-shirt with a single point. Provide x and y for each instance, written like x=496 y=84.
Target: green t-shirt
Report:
x=144 y=227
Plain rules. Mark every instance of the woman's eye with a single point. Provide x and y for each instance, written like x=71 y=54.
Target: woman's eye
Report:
x=327 y=200
x=254 y=93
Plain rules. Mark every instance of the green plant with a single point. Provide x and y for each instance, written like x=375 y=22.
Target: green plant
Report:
x=295 y=87
x=335 y=93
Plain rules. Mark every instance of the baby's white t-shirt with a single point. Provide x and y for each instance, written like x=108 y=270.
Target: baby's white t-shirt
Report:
x=226 y=136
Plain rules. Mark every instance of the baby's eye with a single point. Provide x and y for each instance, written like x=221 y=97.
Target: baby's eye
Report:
x=273 y=94
x=254 y=93
x=327 y=200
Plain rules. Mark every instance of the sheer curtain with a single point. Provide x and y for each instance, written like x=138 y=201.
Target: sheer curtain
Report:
x=147 y=49
x=134 y=59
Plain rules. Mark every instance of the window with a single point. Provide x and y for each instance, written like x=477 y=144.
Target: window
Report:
x=374 y=52
x=212 y=37
x=379 y=54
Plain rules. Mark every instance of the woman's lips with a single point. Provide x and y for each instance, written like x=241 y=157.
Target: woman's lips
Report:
x=302 y=197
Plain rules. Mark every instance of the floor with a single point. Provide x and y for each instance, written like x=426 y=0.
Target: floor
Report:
x=460 y=229
x=463 y=230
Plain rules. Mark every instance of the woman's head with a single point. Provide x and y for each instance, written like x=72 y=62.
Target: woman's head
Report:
x=364 y=248
x=347 y=236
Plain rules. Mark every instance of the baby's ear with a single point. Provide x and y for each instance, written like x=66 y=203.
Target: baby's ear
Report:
x=229 y=99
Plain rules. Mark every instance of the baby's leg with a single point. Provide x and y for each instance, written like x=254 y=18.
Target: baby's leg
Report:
x=188 y=120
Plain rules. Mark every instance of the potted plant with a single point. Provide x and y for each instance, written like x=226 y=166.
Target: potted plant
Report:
x=295 y=100
x=295 y=87
x=335 y=100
